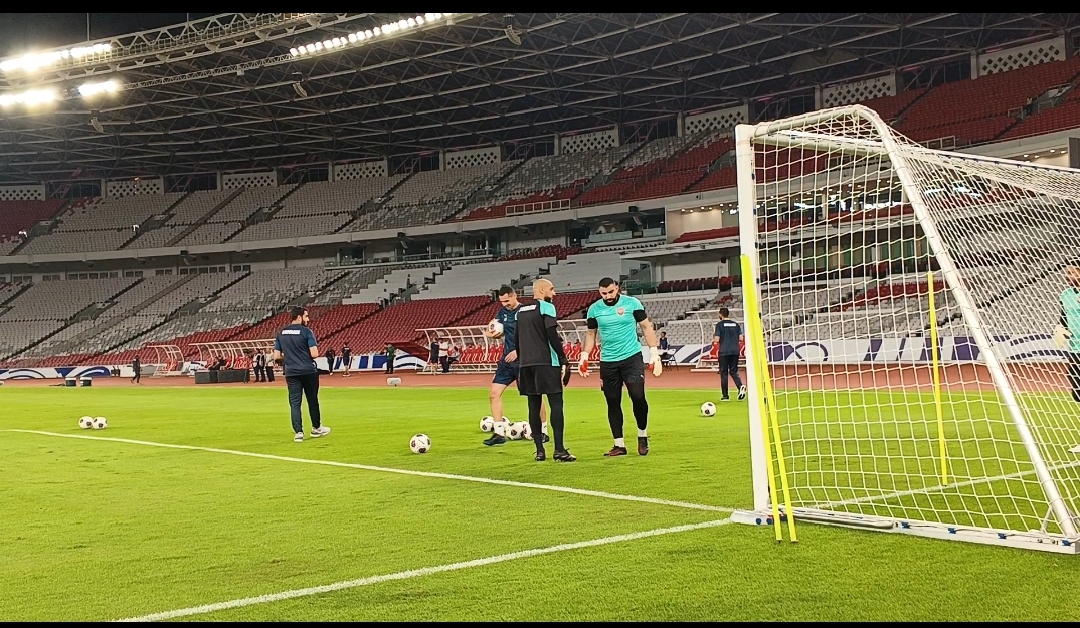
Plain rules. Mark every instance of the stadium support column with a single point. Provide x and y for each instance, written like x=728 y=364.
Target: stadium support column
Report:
x=748 y=225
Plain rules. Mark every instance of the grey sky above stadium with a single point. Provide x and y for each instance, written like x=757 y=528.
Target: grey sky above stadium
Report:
x=223 y=93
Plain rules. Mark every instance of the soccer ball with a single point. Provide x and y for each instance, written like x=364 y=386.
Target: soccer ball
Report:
x=708 y=409
x=86 y=422
x=487 y=424
x=100 y=423
x=420 y=444
x=517 y=430
x=495 y=329
x=502 y=427
x=526 y=431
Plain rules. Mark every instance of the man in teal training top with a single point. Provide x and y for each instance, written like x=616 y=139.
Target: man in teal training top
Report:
x=616 y=318
x=1067 y=334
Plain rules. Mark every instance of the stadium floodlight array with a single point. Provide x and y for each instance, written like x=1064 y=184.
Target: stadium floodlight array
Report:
x=362 y=36
x=29 y=97
x=37 y=60
x=926 y=394
x=103 y=87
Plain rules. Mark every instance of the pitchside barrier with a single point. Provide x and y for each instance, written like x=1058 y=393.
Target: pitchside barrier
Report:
x=478 y=353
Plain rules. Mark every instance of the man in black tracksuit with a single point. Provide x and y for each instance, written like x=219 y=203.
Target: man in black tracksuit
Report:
x=297 y=349
x=542 y=367
x=258 y=364
x=728 y=335
x=136 y=366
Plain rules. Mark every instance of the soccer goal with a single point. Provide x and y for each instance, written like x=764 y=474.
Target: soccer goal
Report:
x=909 y=303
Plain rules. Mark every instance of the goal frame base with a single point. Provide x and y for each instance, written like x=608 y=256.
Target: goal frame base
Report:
x=1033 y=540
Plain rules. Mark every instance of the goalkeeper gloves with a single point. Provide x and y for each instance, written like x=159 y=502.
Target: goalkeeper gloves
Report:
x=1062 y=337
x=654 y=361
x=583 y=367
x=566 y=372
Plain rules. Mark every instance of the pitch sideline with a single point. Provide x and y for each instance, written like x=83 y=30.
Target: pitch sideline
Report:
x=426 y=571
x=365 y=467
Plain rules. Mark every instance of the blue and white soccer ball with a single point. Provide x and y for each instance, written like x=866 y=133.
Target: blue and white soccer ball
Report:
x=420 y=444
x=86 y=422
x=708 y=409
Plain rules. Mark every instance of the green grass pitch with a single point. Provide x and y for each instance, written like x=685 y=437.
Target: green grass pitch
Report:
x=99 y=530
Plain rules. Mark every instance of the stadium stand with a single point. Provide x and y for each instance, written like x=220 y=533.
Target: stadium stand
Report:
x=398 y=323
x=392 y=283
x=485 y=278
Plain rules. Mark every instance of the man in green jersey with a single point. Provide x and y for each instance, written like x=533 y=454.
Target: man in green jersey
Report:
x=1067 y=334
x=616 y=318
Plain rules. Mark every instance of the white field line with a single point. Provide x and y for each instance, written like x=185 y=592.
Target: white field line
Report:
x=425 y=474
x=426 y=571
x=935 y=489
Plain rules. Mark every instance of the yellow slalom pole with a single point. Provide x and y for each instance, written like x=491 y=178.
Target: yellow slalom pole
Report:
x=777 y=441
x=751 y=323
x=936 y=371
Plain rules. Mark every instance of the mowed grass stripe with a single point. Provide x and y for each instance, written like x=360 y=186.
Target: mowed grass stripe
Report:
x=428 y=474
x=426 y=571
x=107 y=530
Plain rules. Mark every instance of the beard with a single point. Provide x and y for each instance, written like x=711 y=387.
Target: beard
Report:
x=548 y=299
x=610 y=302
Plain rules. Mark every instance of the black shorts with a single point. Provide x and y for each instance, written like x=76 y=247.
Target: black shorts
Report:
x=629 y=371
x=539 y=380
x=506 y=373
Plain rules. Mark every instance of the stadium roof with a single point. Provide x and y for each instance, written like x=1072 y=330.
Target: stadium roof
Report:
x=227 y=93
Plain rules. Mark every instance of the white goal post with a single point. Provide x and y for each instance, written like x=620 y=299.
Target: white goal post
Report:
x=916 y=307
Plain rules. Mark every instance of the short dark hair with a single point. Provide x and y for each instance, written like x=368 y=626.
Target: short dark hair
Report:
x=606 y=282
x=296 y=312
x=724 y=312
x=505 y=290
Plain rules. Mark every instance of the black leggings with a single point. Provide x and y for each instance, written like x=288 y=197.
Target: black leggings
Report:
x=555 y=402
x=613 y=376
x=304 y=386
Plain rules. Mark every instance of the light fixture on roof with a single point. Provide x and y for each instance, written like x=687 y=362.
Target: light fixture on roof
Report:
x=97 y=125
x=299 y=89
x=89 y=90
x=390 y=28
x=36 y=60
x=29 y=97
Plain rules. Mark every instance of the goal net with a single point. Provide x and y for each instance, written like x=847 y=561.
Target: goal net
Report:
x=913 y=306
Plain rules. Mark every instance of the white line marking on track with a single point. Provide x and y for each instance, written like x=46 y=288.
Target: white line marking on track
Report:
x=366 y=467
x=426 y=571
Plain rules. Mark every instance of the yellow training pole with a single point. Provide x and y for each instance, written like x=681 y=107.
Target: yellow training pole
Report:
x=777 y=441
x=750 y=311
x=935 y=365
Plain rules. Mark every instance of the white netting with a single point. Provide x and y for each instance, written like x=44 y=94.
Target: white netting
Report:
x=854 y=231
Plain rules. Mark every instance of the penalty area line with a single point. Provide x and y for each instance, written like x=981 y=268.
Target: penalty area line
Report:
x=426 y=571
x=367 y=467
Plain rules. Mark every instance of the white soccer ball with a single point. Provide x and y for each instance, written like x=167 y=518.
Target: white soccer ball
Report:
x=526 y=431
x=502 y=427
x=517 y=430
x=100 y=423
x=487 y=424
x=86 y=422
x=495 y=329
x=708 y=409
x=420 y=444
